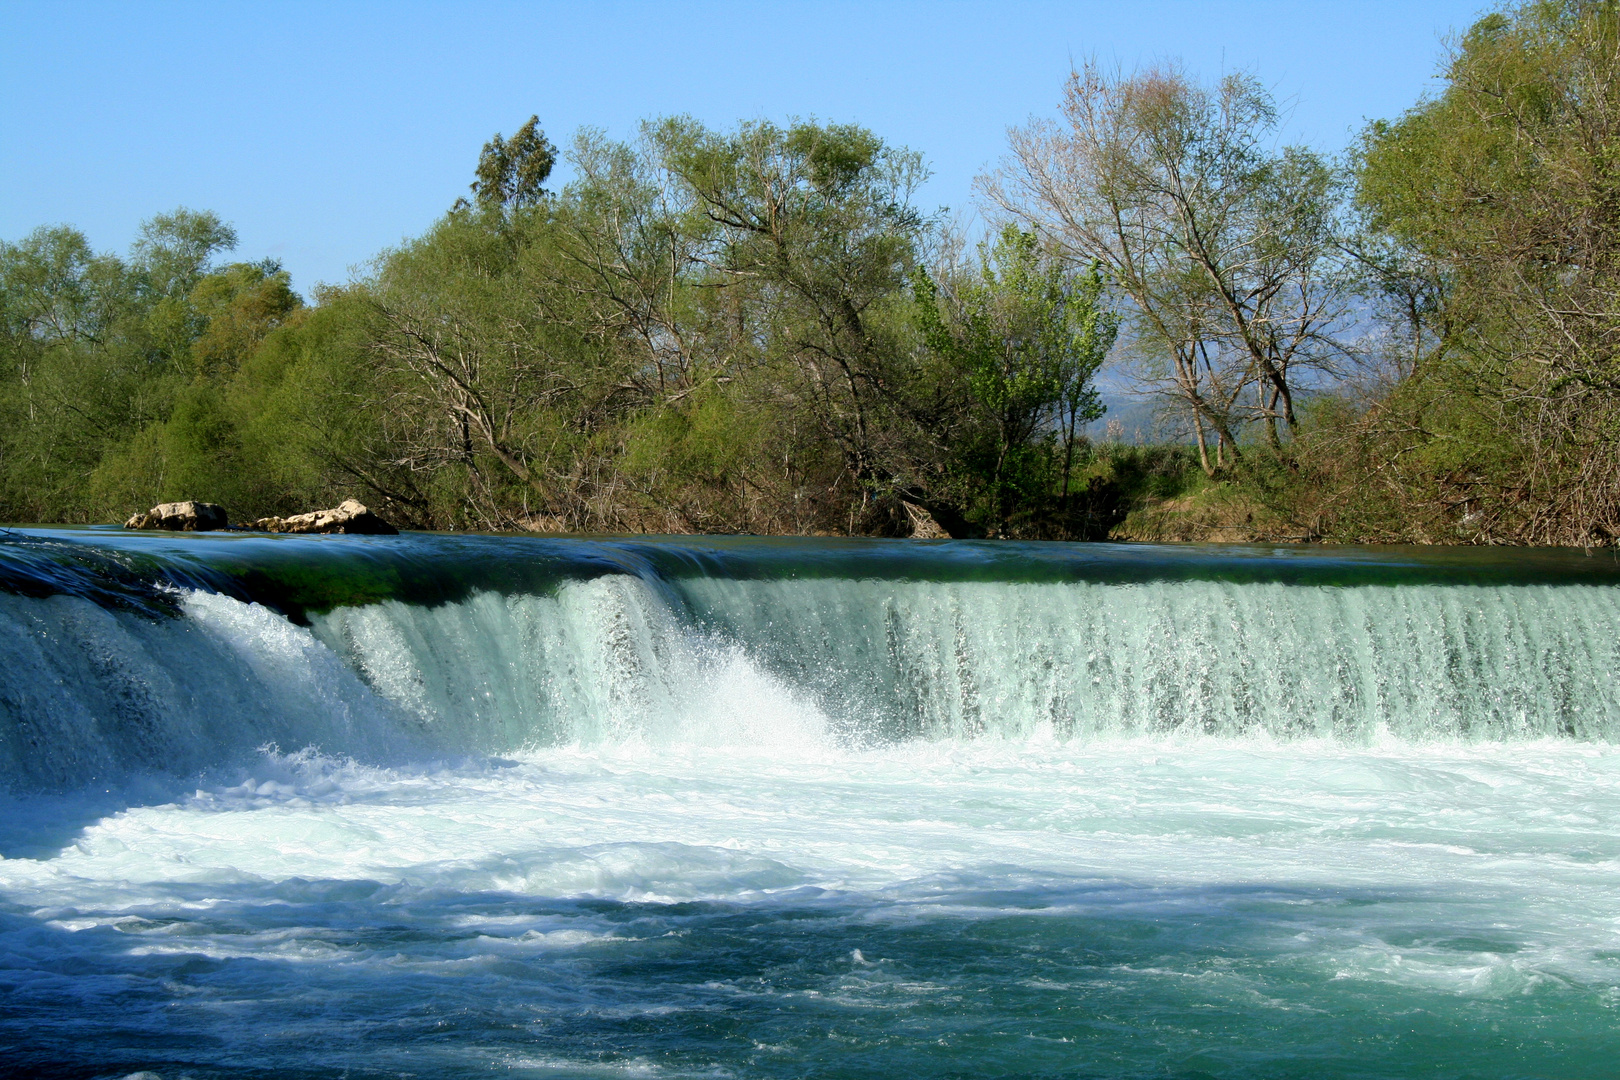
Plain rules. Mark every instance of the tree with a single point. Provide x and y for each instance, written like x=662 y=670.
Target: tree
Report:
x=813 y=228
x=1496 y=206
x=114 y=372
x=636 y=239
x=67 y=376
x=472 y=348
x=511 y=171
x=1221 y=245
x=1026 y=337
x=193 y=447
x=175 y=250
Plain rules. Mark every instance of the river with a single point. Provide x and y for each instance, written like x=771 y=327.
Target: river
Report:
x=457 y=806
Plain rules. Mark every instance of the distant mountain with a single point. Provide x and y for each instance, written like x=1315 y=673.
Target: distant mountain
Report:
x=1132 y=418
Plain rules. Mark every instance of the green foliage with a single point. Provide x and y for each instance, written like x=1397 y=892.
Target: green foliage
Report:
x=1493 y=249
x=1025 y=337
x=511 y=171
x=704 y=331
x=174 y=251
x=811 y=229
x=121 y=379
x=756 y=330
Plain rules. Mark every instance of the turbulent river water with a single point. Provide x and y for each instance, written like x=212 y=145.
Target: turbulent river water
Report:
x=457 y=806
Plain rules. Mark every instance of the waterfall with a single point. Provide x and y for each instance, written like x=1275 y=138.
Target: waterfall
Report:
x=448 y=805
x=670 y=648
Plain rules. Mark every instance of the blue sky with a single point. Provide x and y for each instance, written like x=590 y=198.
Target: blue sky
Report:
x=328 y=131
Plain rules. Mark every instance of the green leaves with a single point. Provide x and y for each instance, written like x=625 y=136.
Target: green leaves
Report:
x=175 y=250
x=1026 y=335
x=116 y=376
x=511 y=172
x=1489 y=257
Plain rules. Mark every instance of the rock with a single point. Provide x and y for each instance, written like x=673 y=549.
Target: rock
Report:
x=181 y=517
x=350 y=517
x=923 y=525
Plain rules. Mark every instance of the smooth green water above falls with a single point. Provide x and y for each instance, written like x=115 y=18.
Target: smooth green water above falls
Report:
x=463 y=806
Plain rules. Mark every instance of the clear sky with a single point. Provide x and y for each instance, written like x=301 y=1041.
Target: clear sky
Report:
x=326 y=132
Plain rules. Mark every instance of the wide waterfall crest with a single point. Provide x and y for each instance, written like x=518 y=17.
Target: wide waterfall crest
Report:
x=962 y=659
x=879 y=661
x=810 y=662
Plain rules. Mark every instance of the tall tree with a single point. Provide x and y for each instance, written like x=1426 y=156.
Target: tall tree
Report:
x=1497 y=205
x=815 y=223
x=511 y=172
x=1220 y=244
x=94 y=350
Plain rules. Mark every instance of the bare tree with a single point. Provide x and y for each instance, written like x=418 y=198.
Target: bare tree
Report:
x=1220 y=243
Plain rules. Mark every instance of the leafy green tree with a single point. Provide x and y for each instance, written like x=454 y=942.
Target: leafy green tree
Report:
x=1493 y=206
x=815 y=234
x=636 y=244
x=193 y=447
x=117 y=374
x=511 y=172
x=1027 y=337
x=175 y=250
x=72 y=352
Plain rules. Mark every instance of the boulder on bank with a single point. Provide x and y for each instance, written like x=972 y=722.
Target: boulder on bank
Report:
x=349 y=517
x=181 y=517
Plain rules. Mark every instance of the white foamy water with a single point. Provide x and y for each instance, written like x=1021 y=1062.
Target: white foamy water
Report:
x=1432 y=878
